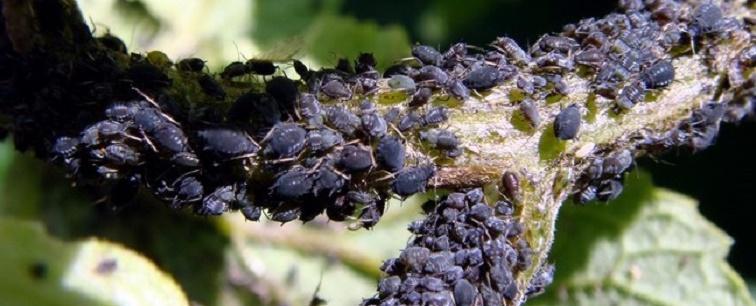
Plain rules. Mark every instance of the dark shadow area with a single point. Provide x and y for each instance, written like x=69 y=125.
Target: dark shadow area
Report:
x=477 y=22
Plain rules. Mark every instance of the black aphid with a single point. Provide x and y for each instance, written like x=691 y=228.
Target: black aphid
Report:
x=458 y=90
x=354 y=158
x=171 y=140
x=442 y=139
x=292 y=184
x=341 y=119
x=328 y=182
x=421 y=97
x=191 y=64
x=251 y=212
x=464 y=293
x=234 y=69
x=112 y=42
x=659 y=75
x=511 y=48
x=483 y=78
x=286 y=213
x=554 y=63
x=336 y=89
x=188 y=190
x=217 y=202
x=284 y=91
x=345 y=66
x=285 y=140
x=592 y=58
x=391 y=153
x=121 y=112
x=258 y=109
x=260 y=66
x=409 y=121
x=559 y=44
x=211 y=87
x=526 y=85
x=617 y=163
x=609 y=190
x=373 y=124
x=705 y=18
x=587 y=194
x=120 y=154
x=414 y=258
x=398 y=69
x=427 y=55
x=542 y=279
x=145 y=75
x=100 y=132
x=436 y=115
x=412 y=180
x=389 y=286
x=365 y=63
x=65 y=147
x=323 y=140
x=431 y=75
x=631 y=94
x=225 y=144
x=302 y=70
x=567 y=123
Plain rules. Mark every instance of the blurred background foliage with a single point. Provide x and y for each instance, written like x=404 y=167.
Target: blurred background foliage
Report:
x=227 y=261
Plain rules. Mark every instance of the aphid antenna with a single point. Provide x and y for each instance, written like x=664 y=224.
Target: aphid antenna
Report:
x=183 y=176
x=339 y=173
x=351 y=142
x=411 y=61
x=148 y=141
x=239 y=55
x=146 y=97
x=477 y=94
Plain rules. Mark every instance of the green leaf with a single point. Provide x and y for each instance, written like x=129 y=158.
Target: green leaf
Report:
x=333 y=36
x=40 y=270
x=296 y=256
x=650 y=247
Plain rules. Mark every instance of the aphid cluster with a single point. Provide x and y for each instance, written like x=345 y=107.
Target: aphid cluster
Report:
x=629 y=54
x=456 y=72
x=464 y=252
x=603 y=177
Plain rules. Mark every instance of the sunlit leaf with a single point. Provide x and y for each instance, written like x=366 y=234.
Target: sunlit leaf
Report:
x=40 y=270
x=650 y=247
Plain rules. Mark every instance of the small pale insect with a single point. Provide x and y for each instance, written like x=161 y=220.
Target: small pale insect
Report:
x=530 y=112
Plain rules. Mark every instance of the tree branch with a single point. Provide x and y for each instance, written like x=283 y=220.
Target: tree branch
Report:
x=61 y=82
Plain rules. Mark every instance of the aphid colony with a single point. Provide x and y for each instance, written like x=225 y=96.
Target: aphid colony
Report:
x=340 y=160
x=463 y=253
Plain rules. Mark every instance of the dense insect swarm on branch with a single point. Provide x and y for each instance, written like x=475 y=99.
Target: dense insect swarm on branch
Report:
x=338 y=141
